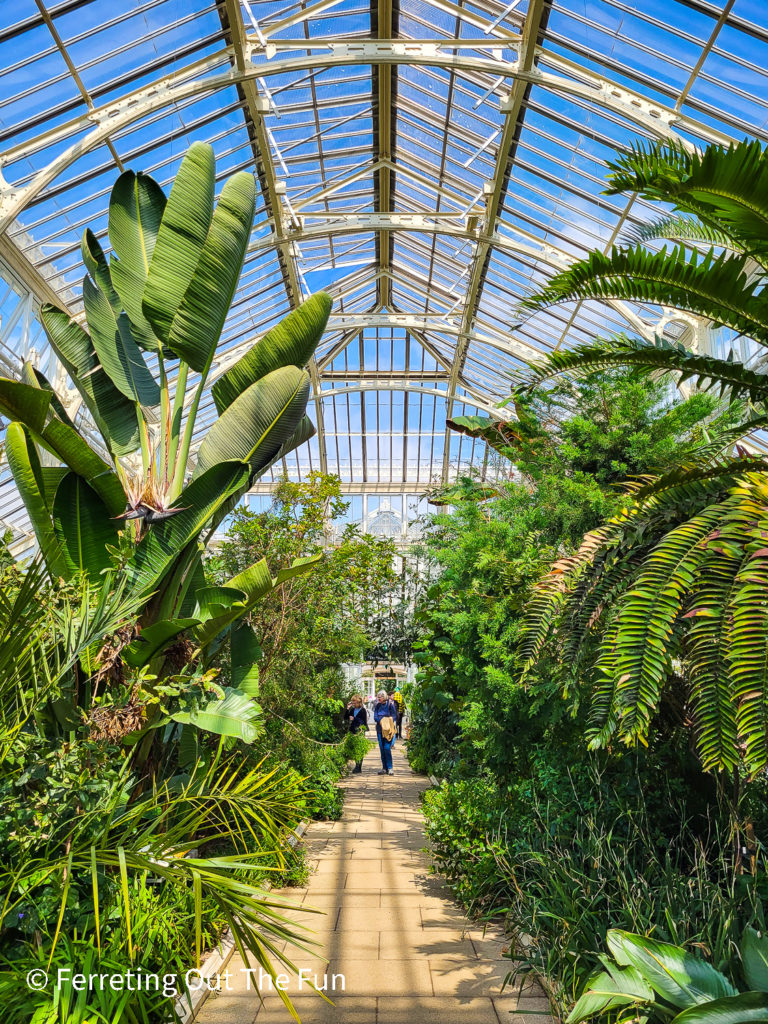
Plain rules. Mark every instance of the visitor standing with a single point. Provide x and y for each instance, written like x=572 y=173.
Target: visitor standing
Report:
x=399 y=699
x=385 y=717
x=357 y=717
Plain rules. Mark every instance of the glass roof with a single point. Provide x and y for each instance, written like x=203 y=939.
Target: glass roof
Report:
x=427 y=162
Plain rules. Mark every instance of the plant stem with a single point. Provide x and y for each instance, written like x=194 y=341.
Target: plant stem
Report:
x=178 y=409
x=186 y=441
x=164 y=419
x=144 y=435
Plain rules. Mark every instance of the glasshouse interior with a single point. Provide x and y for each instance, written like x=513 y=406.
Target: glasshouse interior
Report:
x=383 y=511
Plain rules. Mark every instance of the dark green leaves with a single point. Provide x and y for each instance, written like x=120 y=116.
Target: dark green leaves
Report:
x=180 y=238
x=258 y=423
x=136 y=208
x=113 y=413
x=292 y=342
x=118 y=353
x=195 y=329
x=83 y=525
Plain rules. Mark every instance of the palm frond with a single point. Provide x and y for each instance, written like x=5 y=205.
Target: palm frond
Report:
x=712 y=286
x=686 y=230
x=728 y=188
x=661 y=355
x=707 y=663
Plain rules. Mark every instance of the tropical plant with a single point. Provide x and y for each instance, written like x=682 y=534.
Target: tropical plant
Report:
x=663 y=983
x=121 y=496
x=670 y=592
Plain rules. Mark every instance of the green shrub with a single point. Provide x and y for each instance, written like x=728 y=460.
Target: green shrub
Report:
x=565 y=863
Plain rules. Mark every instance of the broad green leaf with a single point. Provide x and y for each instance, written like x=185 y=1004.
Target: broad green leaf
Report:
x=303 y=433
x=157 y=551
x=22 y=402
x=153 y=639
x=606 y=991
x=212 y=601
x=245 y=653
x=136 y=208
x=36 y=378
x=746 y=1008
x=292 y=342
x=24 y=464
x=196 y=328
x=297 y=568
x=258 y=422
x=96 y=264
x=52 y=477
x=113 y=413
x=255 y=581
x=677 y=976
x=754 y=959
x=180 y=238
x=235 y=716
x=67 y=444
x=83 y=525
x=118 y=353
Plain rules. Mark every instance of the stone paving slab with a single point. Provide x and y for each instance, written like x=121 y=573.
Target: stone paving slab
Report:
x=394 y=948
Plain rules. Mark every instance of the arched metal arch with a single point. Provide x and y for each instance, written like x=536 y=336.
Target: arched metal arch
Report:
x=178 y=87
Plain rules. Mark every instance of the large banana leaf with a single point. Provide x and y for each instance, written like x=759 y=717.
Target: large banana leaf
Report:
x=52 y=477
x=118 y=353
x=113 y=413
x=194 y=333
x=158 y=550
x=678 y=976
x=258 y=422
x=37 y=379
x=212 y=601
x=292 y=342
x=66 y=443
x=746 y=1008
x=255 y=582
x=235 y=716
x=180 y=238
x=754 y=959
x=83 y=525
x=154 y=639
x=25 y=403
x=24 y=464
x=303 y=433
x=245 y=654
x=136 y=208
x=96 y=264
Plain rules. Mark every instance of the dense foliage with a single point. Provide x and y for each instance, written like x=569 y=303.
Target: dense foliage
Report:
x=566 y=841
x=668 y=595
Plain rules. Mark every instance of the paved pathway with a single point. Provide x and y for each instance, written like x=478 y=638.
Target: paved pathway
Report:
x=406 y=952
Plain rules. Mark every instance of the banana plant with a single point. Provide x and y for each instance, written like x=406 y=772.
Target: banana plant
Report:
x=136 y=497
x=659 y=982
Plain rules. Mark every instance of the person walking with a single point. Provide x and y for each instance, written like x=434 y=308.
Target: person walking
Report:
x=399 y=699
x=385 y=717
x=358 y=720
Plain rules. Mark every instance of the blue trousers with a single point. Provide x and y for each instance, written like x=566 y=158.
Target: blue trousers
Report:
x=385 y=749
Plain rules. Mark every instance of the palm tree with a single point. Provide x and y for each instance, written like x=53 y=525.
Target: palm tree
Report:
x=673 y=589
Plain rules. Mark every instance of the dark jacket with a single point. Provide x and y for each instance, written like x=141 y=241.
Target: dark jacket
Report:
x=358 y=718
